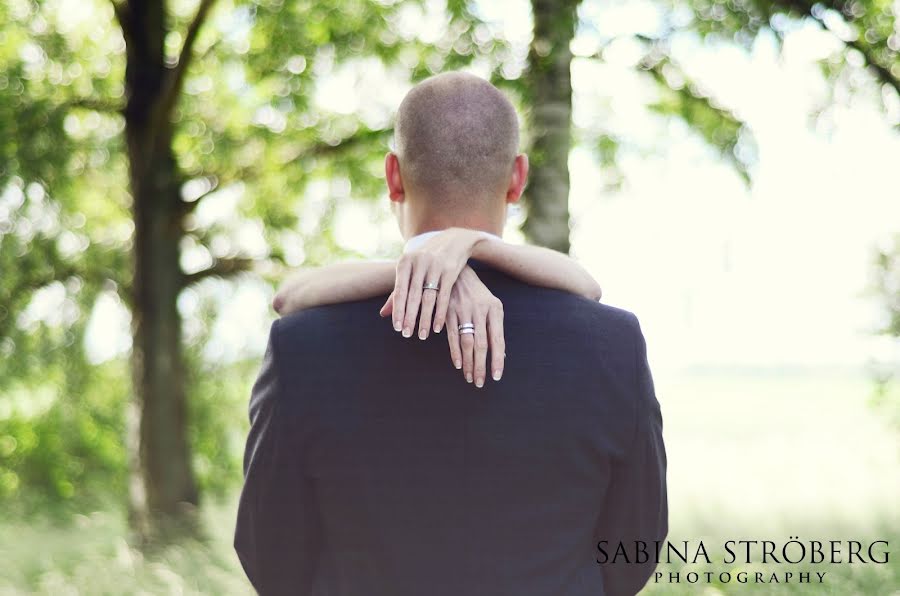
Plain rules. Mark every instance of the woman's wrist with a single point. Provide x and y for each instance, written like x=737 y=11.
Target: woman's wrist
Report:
x=472 y=237
x=483 y=243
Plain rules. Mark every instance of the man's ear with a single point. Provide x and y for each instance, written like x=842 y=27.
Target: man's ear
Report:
x=392 y=176
x=518 y=179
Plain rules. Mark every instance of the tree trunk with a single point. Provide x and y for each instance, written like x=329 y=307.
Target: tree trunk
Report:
x=164 y=490
x=549 y=87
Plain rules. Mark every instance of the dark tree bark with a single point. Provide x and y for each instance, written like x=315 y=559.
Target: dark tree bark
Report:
x=164 y=491
x=549 y=87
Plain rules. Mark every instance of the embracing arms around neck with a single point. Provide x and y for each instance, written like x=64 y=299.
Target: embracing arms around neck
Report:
x=347 y=282
x=432 y=286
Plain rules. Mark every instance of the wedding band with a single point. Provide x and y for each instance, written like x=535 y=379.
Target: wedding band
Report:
x=431 y=286
x=467 y=331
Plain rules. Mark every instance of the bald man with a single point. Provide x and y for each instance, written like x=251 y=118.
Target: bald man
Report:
x=457 y=139
x=373 y=469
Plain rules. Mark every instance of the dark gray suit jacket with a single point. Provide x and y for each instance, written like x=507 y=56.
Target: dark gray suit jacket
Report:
x=372 y=468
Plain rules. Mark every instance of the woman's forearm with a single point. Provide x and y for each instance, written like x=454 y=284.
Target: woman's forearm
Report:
x=538 y=266
x=332 y=284
x=346 y=282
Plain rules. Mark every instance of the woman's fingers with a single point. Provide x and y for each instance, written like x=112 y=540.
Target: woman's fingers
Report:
x=453 y=340
x=481 y=347
x=467 y=346
x=438 y=297
x=388 y=307
x=413 y=299
x=429 y=295
x=497 y=340
x=401 y=288
x=443 y=301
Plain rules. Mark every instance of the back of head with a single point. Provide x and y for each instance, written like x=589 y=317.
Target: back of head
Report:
x=456 y=139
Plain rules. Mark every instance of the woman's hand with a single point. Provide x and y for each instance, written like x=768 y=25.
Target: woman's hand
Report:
x=425 y=278
x=470 y=302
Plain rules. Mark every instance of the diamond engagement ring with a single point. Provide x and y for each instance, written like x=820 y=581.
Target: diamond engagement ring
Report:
x=431 y=286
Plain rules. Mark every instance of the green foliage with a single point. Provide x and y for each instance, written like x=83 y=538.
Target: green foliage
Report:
x=218 y=410
x=246 y=125
x=62 y=441
x=90 y=554
x=866 y=28
x=869 y=52
x=680 y=97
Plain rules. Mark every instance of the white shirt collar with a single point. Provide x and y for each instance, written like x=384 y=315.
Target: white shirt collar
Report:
x=419 y=239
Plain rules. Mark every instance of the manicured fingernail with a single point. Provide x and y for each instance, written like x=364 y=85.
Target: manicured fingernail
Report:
x=397 y=326
x=437 y=328
x=497 y=375
x=407 y=333
x=479 y=383
x=457 y=364
x=468 y=378
x=423 y=334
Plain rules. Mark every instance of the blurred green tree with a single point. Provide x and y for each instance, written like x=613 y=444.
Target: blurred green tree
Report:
x=113 y=129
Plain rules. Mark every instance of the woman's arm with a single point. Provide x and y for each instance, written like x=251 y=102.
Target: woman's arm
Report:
x=331 y=284
x=537 y=266
x=441 y=261
x=446 y=253
x=470 y=301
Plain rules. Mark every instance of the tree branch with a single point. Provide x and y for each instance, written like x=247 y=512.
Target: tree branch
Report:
x=214 y=185
x=178 y=72
x=304 y=151
x=217 y=183
x=224 y=267
x=97 y=105
x=209 y=49
x=716 y=124
x=322 y=148
x=882 y=72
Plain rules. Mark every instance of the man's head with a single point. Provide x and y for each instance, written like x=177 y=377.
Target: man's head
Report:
x=456 y=161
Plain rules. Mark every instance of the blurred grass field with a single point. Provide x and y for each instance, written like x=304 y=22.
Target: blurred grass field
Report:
x=751 y=456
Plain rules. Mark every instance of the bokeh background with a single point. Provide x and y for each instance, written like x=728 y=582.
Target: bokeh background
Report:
x=728 y=170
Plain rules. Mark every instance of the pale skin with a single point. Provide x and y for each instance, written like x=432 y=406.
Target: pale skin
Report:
x=441 y=261
x=461 y=297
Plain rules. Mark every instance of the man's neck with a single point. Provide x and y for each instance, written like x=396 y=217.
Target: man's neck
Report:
x=437 y=224
x=416 y=241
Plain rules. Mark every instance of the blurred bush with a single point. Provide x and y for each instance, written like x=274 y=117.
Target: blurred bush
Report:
x=61 y=443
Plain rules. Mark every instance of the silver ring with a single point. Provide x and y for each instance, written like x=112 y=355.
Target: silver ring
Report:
x=466 y=326
x=467 y=331
x=431 y=285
